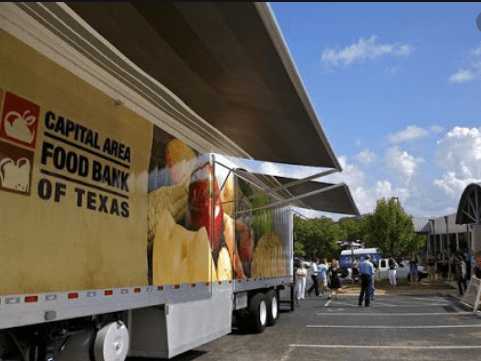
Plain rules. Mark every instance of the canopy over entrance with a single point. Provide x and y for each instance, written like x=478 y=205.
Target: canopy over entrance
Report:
x=227 y=61
x=469 y=208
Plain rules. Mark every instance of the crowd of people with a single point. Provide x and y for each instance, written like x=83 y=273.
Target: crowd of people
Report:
x=325 y=277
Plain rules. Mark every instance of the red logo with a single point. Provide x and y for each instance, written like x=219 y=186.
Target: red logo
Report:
x=19 y=120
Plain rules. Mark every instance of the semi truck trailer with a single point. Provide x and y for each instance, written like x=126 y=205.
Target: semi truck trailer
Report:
x=127 y=227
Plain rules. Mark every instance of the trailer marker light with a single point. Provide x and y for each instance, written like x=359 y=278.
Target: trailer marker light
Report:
x=137 y=290
x=108 y=292
x=31 y=299
x=72 y=295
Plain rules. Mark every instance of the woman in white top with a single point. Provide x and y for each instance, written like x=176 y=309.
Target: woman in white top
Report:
x=301 y=280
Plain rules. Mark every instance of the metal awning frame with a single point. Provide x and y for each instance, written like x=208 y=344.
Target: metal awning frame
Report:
x=296 y=198
x=273 y=192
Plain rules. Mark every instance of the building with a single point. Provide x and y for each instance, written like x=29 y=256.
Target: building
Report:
x=457 y=232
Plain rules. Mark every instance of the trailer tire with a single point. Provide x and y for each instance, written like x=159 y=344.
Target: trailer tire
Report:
x=258 y=313
x=272 y=307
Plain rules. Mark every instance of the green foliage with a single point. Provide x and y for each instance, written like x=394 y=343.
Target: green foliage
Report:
x=391 y=229
x=353 y=228
x=299 y=249
x=318 y=236
x=388 y=228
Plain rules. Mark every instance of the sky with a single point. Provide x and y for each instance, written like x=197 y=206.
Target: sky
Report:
x=397 y=88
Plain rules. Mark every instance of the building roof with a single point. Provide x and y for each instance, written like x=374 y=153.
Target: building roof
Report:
x=469 y=208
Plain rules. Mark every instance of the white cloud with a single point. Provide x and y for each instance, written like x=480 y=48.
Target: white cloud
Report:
x=364 y=194
x=470 y=72
x=452 y=185
x=459 y=154
x=436 y=129
x=402 y=163
x=364 y=49
x=409 y=133
x=366 y=156
x=462 y=76
x=384 y=189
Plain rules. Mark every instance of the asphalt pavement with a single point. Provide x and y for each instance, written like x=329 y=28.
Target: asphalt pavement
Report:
x=395 y=327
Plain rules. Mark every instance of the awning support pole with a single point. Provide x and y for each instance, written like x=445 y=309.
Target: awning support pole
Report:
x=302 y=196
x=304 y=180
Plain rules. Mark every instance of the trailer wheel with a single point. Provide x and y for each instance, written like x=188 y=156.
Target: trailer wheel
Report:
x=112 y=342
x=258 y=313
x=272 y=307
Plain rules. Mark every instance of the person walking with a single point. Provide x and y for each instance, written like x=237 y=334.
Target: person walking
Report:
x=392 y=273
x=366 y=269
x=460 y=273
x=322 y=275
x=334 y=280
x=314 y=277
x=301 y=279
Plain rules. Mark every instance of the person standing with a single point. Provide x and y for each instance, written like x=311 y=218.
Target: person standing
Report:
x=334 y=280
x=460 y=273
x=366 y=270
x=413 y=269
x=322 y=274
x=392 y=273
x=431 y=268
x=314 y=277
x=301 y=278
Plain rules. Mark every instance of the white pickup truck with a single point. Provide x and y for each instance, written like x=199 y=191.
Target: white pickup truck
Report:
x=402 y=270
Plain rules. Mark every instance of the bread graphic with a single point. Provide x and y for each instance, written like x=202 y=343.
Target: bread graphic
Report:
x=179 y=255
x=224 y=266
x=171 y=198
x=269 y=258
x=15 y=175
x=17 y=126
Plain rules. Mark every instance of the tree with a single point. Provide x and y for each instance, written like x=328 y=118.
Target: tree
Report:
x=353 y=228
x=299 y=249
x=318 y=236
x=391 y=229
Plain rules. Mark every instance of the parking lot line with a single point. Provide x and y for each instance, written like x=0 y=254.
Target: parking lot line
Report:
x=396 y=314
x=344 y=304
x=391 y=347
x=394 y=327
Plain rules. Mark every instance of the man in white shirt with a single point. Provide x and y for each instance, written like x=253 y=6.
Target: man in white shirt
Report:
x=314 y=277
x=322 y=269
